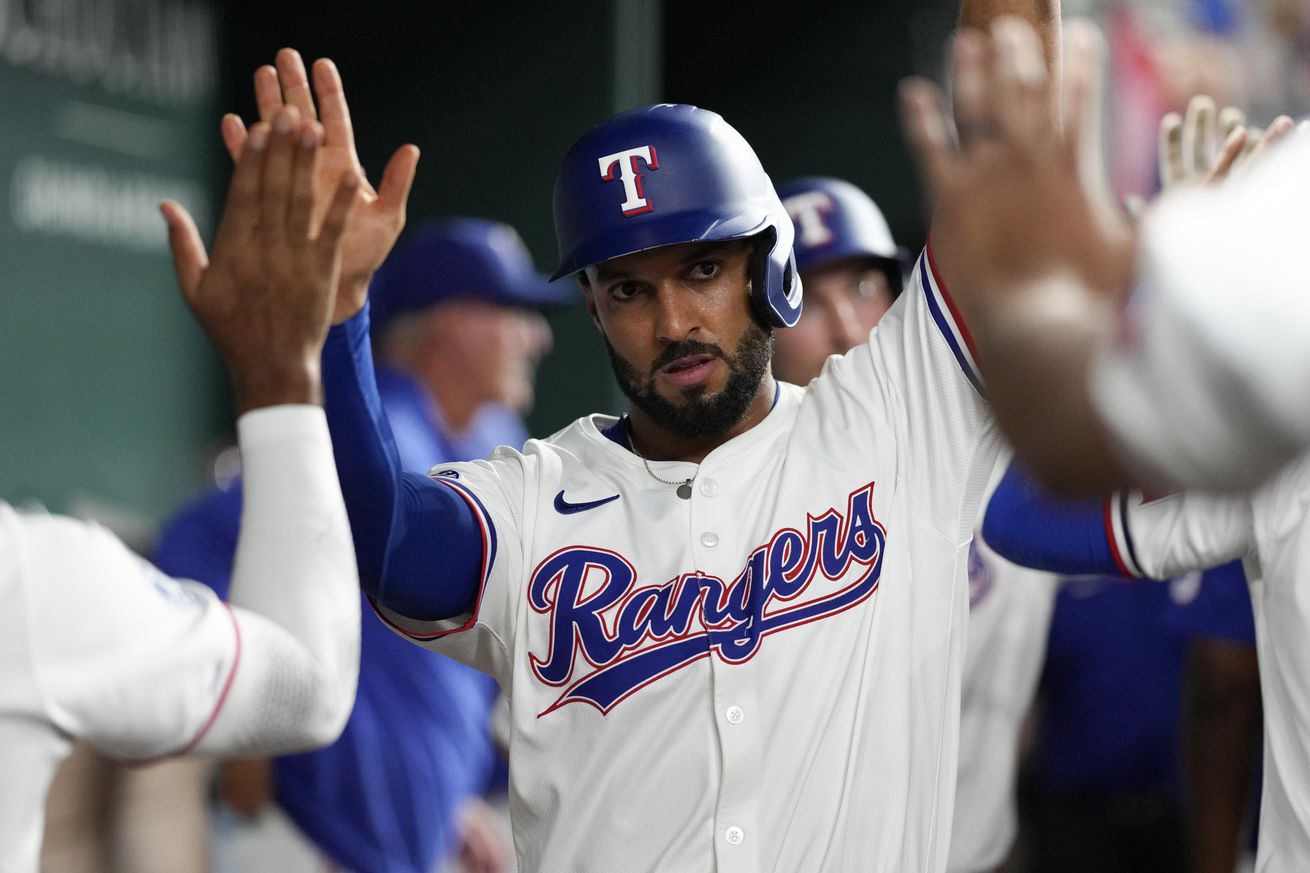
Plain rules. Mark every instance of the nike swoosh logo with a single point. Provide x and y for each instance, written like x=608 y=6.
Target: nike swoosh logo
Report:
x=563 y=507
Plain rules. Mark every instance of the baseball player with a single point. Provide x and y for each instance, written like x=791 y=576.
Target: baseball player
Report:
x=1270 y=530
x=1185 y=389
x=729 y=622
x=850 y=266
x=95 y=643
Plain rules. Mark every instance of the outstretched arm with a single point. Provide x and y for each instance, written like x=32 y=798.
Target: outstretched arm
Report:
x=1171 y=395
x=409 y=532
x=164 y=668
x=1021 y=214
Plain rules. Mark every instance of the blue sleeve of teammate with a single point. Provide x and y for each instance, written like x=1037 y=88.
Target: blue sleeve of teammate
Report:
x=1029 y=527
x=417 y=542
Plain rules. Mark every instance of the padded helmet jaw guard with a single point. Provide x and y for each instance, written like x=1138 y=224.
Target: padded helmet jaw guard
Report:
x=669 y=174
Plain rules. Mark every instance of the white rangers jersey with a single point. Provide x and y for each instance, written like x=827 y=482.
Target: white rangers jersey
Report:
x=97 y=644
x=1270 y=530
x=94 y=643
x=764 y=676
x=1208 y=385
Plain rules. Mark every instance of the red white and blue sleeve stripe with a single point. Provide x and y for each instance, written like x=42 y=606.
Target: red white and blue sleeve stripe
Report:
x=947 y=316
x=486 y=530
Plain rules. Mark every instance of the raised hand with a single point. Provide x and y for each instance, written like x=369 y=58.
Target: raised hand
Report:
x=378 y=221
x=1193 y=153
x=1020 y=196
x=267 y=294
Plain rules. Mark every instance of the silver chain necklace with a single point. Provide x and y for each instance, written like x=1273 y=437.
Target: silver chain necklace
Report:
x=684 y=487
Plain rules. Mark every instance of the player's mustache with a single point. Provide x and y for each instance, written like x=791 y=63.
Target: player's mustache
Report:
x=683 y=349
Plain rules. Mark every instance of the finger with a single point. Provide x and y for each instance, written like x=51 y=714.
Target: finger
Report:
x=189 y=257
x=397 y=179
x=233 y=130
x=276 y=187
x=1173 y=168
x=969 y=88
x=1020 y=81
x=1277 y=129
x=1082 y=100
x=344 y=203
x=241 y=213
x=1199 y=137
x=301 y=214
x=295 y=83
x=1230 y=118
x=268 y=93
x=1229 y=152
x=924 y=121
x=333 y=111
x=1254 y=135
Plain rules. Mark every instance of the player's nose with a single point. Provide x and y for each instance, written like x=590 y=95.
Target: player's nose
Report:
x=677 y=313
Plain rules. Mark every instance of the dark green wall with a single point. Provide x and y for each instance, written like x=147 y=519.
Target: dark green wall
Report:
x=106 y=390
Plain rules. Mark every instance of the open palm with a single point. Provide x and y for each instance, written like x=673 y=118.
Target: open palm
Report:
x=379 y=215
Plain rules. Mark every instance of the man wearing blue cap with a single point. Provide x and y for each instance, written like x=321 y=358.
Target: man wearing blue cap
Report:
x=458 y=335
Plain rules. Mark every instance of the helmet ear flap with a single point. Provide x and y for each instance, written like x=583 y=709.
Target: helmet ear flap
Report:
x=762 y=245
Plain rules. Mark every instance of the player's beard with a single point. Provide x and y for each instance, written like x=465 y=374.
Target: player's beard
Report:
x=699 y=414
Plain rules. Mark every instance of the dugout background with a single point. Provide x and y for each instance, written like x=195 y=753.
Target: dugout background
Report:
x=112 y=405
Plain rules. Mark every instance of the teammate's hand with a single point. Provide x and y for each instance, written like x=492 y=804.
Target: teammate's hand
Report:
x=377 y=222
x=1019 y=197
x=1206 y=146
x=266 y=296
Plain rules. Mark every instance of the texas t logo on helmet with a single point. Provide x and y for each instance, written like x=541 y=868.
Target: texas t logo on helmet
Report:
x=710 y=187
x=634 y=201
x=806 y=211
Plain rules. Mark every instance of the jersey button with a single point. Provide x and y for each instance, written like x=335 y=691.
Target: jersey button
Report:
x=735 y=714
x=709 y=487
x=709 y=539
x=734 y=835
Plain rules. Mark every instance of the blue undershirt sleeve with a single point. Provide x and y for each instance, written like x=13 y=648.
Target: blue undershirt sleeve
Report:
x=1026 y=525
x=417 y=542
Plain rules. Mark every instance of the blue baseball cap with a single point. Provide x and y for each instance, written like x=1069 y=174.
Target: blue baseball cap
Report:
x=461 y=259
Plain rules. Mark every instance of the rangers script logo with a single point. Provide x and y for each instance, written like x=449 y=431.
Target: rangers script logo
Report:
x=629 y=635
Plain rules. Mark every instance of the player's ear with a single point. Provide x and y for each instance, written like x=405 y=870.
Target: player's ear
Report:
x=585 y=284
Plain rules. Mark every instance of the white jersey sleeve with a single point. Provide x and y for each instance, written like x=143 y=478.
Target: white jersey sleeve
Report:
x=495 y=491
x=120 y=655
x=920 y=360
x=143 y=665
x=1166 y=537
x=1207 y=385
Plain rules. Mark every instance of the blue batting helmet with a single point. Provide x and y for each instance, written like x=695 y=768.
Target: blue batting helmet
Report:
x=836 y=220
x=667 y=174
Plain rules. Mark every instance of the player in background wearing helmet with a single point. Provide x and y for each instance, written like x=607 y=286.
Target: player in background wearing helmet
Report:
x=97 y=644
x=1269 y=527
x=851 y=268
x=852 y=271
x=458 y=334
x=729 y=622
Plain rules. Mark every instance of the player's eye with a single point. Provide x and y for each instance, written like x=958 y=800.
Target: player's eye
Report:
x=706 y=270
x=866 y=289
x=625 y=290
